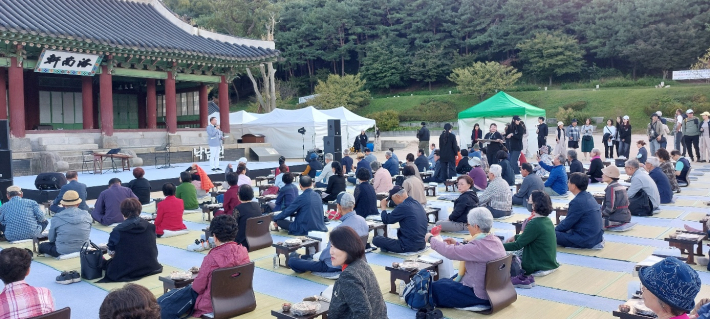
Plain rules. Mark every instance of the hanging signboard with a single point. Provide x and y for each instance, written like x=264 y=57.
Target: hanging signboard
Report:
x=72 y=63
x=691 y=74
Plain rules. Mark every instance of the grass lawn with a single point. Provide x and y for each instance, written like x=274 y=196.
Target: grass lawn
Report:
x=609 y=102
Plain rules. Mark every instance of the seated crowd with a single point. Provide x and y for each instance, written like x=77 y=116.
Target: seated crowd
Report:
x=485 y=195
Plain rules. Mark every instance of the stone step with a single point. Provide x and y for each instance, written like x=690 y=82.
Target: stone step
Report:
x=66 y=147
x=65 y=140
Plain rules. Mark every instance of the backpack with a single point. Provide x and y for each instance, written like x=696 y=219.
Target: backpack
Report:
x=177 y=303
x=417 y=294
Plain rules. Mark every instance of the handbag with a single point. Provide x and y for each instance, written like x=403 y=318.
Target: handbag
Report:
x=177 y=303
x=92 y=261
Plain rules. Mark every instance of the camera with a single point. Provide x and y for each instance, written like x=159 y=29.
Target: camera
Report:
x=302 y=131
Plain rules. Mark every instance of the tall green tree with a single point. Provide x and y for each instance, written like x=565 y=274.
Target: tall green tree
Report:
x=551 y=54
x=483 y=78
x=385 y=65
x=337 y=91
x=430 y=65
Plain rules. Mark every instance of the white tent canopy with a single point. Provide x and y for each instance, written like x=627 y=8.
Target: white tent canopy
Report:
x=280 y=128
x=236 y=120
x=350 y=123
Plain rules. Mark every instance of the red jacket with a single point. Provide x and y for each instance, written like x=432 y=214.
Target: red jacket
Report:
x=169 y=215
x=231 y=199
x=229 y=254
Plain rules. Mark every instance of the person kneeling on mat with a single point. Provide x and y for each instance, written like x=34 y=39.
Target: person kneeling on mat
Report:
x=412 y=224
x=582 y=228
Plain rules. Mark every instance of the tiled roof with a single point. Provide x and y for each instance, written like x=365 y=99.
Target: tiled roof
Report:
x=137 y=25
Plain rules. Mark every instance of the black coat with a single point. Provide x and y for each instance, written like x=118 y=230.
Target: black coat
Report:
x=315 y=166
x=576 y=167
x=463 y=167
x=141 y=187
x=423 y=134
x=542 y=131
x=625 y=134
x=422 y=163
x=595 y=170
x=365 y=200
x=447 y=147
x=361 y=142
x=507 y=172
x=336 y=184
x=474 y=138
x=516 y=141
x=136 y=252
x=246 y=210
x=462 y=205
x=493 y=147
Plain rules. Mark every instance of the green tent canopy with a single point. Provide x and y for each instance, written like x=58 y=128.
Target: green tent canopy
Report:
x=501 y=105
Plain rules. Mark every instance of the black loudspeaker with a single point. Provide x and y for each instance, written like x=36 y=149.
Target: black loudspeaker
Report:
x=333 y=145
x=50 y=181
x=4 y=134
x=4 y=184
x=5 y=164
x=333 y=128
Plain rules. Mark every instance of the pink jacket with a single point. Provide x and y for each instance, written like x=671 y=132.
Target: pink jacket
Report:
x=475 y=254
x=383 y=181
x=227 y=255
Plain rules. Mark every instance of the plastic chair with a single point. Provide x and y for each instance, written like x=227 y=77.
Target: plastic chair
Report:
x=258 y=234
x=501 y=292
x=64 y=313
x=232 y=291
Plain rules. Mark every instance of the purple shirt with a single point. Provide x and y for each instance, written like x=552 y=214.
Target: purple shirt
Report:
x=475 y=254
x=107 y=209
x=479 y=177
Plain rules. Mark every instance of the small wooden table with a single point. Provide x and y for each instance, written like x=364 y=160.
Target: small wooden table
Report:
x=631 y=314
x=286 y=250
x=375 y=226
x=561 y=211
x=209 y=210
x=426 y=174
x=324 y=307
x=687 y=245
x=332 y=205
x=432 y=211
x=517 y=186
x=260 y=179
x=518 y=226
x=406 y=275
x=265 y=199
x=599 y=197
x=450 y=183
x=99 y=160
x=152 y=217
x=428 y=188
x=169 y=283
x=36 y=241
x=381 y=196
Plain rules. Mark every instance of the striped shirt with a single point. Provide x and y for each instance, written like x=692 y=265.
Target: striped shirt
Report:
x=19 y=300
x=497 y=195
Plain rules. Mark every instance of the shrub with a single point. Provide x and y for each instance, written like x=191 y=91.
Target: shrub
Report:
x=386 y=120
x=341 y=91
x=523 y=88
x=430 y=110
x=565 y=115
x=576 y=106
x=699 y=103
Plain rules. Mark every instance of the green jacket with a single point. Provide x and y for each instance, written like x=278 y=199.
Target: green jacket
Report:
x=540 y=245
x=188 y=194
x=691 y=128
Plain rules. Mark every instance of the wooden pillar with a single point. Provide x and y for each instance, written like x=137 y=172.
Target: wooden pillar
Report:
x=87 y=102
x=3 y=94
x=17 y=99
x=170 y=104
x=141 y=110
x=203 y=106
x=151 y=105
x=106 y=99
x=224 y=105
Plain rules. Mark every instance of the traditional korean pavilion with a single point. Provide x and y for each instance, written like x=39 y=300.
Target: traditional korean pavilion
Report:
x=120 y=73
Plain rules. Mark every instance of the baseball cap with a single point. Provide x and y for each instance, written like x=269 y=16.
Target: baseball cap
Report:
x=689 y=111
x=574 y=120
x=242 y=160
x=626 y=117
x=394 y=190
x=345 y=199
x=560 y=123
x=516 y=118
x=474 y=161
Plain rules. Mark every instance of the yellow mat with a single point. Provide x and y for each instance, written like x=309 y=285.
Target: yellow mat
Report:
x=524 y=307
x=180 y=241
x=102 y=228
x=151 y=282
x=512 y=218
x=642 y=231
x=682 y=202
x=618 y=289
x=613 y=250
x=579 y=279
x=694 y=192
x=195 y=218
x=264 y=305
x=694 y=216
x=587 y=313
x=668 y=213
x=267 y=264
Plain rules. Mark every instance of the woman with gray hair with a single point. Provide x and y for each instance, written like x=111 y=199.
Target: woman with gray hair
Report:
x=467 y=290
x=595 y=167
x=660 y=179
x=497 y=197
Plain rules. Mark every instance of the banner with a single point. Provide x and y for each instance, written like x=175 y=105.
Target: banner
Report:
x=72 y=63
x=691 y=74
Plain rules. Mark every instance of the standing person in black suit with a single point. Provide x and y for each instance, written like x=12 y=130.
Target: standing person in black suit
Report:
x=516 y=130
x=361 y=142
x=495 y=145
x=447 y=151
x=541 y=132
x=423 y=136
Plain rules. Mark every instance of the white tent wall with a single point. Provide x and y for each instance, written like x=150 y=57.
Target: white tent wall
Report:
x=350 y=124
x=280 y=128
x=466 y=126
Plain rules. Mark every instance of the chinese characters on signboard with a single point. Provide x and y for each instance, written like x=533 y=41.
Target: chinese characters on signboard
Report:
x=73 y=63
